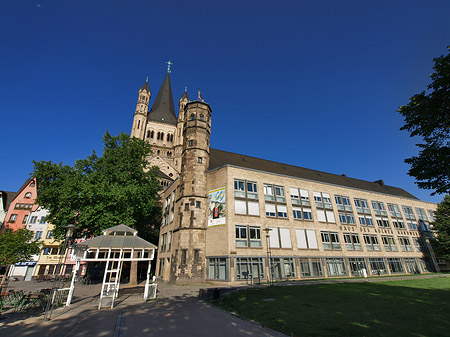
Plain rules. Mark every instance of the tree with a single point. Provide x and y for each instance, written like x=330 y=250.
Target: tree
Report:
x=441 y=225
x=427 y=115
x=16 y=247
x=116 y=188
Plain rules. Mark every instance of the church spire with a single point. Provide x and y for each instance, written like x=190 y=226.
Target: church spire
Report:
x=163 y=109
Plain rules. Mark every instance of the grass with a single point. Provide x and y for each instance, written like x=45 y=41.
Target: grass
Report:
x=415 y=307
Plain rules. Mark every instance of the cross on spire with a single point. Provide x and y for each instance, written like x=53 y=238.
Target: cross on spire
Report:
x=168 y=66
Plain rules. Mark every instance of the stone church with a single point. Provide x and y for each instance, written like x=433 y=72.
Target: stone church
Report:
x=235 y=219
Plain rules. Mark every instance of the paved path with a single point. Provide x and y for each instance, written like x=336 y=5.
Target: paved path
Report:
x=176 y=312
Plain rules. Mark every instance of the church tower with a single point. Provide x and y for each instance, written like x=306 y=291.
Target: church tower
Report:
x=189 y=256
x=140 y=115
x=180 y=125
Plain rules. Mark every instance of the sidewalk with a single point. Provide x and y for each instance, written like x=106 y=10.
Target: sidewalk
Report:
x=176 y=312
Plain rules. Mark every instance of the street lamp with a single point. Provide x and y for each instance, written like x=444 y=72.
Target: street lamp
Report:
x=269 y=257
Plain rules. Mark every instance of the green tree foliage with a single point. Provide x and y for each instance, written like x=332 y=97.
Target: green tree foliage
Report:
x=17 y=246
x=427 y=115
x=441 y=225
x=99 y=192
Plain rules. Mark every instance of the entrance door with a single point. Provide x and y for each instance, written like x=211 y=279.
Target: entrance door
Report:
x=29 y=273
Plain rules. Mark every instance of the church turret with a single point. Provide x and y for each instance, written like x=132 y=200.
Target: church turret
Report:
x=140 y=115
x=184 y=99
x=188 y=260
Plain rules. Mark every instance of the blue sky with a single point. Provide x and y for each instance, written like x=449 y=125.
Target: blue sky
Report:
x=313 y=83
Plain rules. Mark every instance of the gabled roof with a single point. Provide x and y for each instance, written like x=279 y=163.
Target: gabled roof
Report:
x=163 y=109
x=219 y=158
x=120 y=229
x=7 y=197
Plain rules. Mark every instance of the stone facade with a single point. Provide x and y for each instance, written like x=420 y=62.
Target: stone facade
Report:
x=278 y=221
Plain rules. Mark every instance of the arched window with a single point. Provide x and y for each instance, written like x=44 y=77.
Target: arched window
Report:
x=171 y=138
x=192 y=116
x=158 y=135
x=202 y=117
x=139 y=123
x=28 y=195
x=158 y=152
x=168 y=137
x=148 y=134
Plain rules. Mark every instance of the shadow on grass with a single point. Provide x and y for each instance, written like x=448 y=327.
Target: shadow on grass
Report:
x=399 y=308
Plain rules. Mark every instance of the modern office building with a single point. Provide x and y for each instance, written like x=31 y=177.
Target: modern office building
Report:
x=234 y=218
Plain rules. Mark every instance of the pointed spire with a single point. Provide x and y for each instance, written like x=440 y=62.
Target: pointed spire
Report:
x=145 y=87
x=185 y=95
x=163 y=109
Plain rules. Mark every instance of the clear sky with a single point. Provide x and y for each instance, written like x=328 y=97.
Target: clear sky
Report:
x=308 y=83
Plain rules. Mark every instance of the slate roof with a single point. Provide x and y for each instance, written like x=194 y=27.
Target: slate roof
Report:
x=116 y=241
x=163 y=109
x=219 y=158
x=7 y=197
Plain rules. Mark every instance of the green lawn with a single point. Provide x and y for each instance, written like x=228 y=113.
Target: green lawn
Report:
x=416 y=307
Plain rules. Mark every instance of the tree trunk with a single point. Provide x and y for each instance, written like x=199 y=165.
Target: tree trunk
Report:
x=1 y=285
x=133 y=272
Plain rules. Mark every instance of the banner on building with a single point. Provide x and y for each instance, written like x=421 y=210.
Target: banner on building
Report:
x=217 y=207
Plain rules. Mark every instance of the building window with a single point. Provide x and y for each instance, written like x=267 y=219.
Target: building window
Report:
x=163 y=242
x=330 y=240
x=352 y=241
x=49 y=235
x=161 y=267
x=365 y=220
x=192 y=117
x=311 y=267
x=357 y=266
x=300 y=204
x=183 y=256
x=395 y=265
x=279 y=237
x=186 y=207
x=32 y=184
x=248 y=236
x=371 y=242
x=197 y=204
x=377 y=266
x=412 y=225
x=345 y=211
x=336 y=267
x=394 y=211
x=33 y=219
x=417 y=244
x=389 y=243
x=282 y=268
x=42 y=220
x=196 y=256
x=408 y=212
x=246 y=197
x=28 y=195
x=191 y=143
x=250 y=268
x=202 y=117
x=362 y=206
x=169 y=241
x=218 y=268
x=411 y=266
x=430 y=214
x=378 y=208
x=25 y=218
x=38 y=235
x=12 y=218
x=405 y=244
x=323 y=207
x=382 y=222
x=276 y=205
x=306 y=239
x=398 y=224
